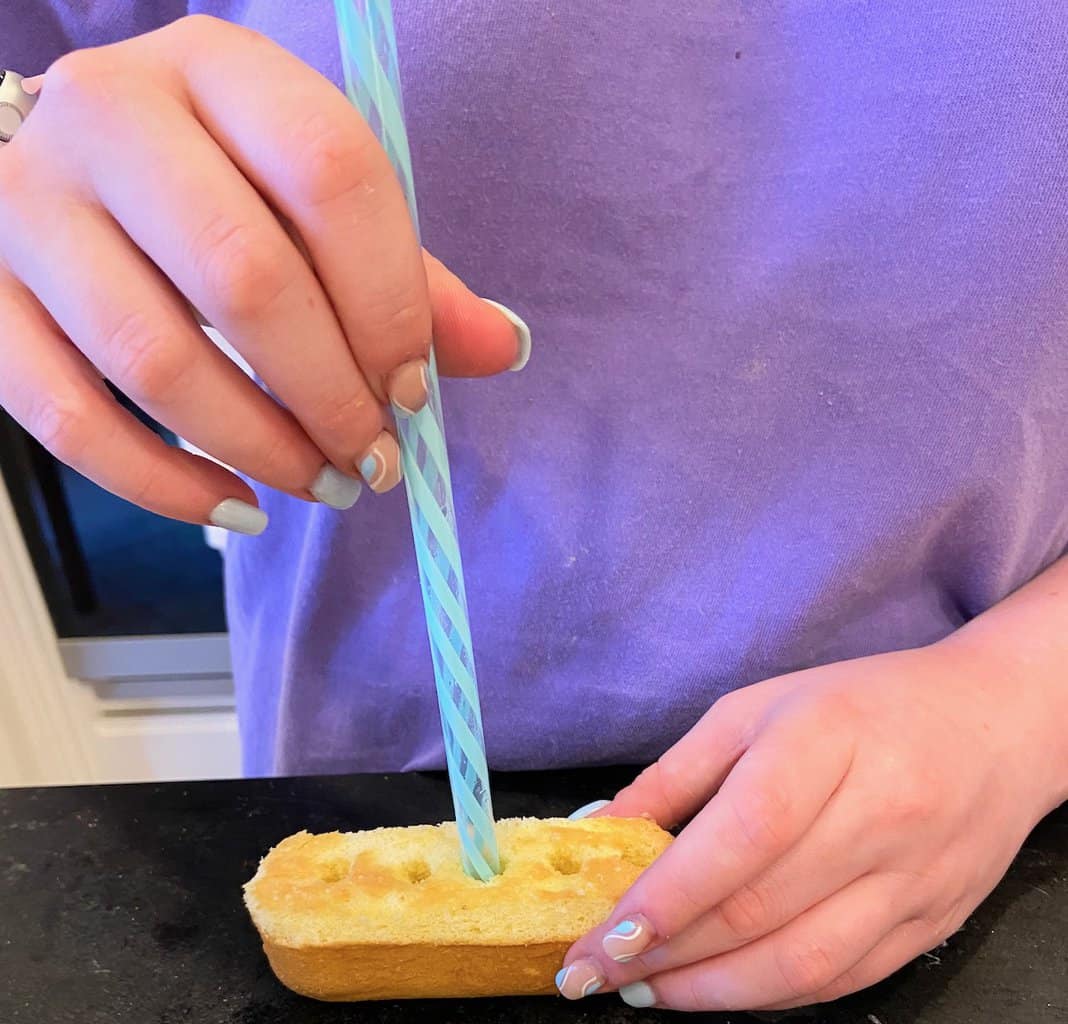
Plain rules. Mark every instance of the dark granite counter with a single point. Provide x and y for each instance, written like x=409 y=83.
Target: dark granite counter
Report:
x=123 y=904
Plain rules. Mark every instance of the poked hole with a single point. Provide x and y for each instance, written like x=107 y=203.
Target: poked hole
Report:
x=334 y=871
x=417 y=871
x=564 y=862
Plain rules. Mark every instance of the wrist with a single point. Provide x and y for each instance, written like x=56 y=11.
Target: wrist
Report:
x=1024 y=674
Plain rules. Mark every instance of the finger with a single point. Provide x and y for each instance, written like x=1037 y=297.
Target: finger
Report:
x=764 y=807
x=338 y=189
x=315 y=159
x=50 y=388
x=180 y=199
x=792 y=964
x=687 y=775
x=131 y=324
x=814 y=869
x=472 y=337
x=906 y=942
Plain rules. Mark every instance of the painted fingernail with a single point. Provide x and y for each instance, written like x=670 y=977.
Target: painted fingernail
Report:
x=522 y=334
x=239 y=517
x=580 y=979
x=629 y=939
x=408 y=387
x=381 y=465
x=587 y=809
x=333 y=488
x=638 y=994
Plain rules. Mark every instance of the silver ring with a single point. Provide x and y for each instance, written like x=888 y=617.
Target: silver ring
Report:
x=15 y=105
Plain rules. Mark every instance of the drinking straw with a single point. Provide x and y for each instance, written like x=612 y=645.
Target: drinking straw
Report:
x=372 y=83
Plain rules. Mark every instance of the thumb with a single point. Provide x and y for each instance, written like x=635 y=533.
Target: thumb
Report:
x=473 y=337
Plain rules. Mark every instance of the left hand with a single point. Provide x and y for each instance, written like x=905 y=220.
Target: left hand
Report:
x=847 y=818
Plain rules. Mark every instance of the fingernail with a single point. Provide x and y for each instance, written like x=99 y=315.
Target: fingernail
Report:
x=587 y=809
x=582 y=978
x=522 y=334
x=381 y=465
x=629 y=939
x=638 y=994
x=32 y=86
x=333 y=488
x=408 y=386
x=239 y=517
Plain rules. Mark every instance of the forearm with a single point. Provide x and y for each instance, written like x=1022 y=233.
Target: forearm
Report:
x=1024 y=641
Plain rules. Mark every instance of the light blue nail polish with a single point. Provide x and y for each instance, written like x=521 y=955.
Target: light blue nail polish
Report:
x=334 y=489
x=561 y=977
x=624 y=928
x=588 y=809
x=369 y=468
x=639 y=995
x=239 y=517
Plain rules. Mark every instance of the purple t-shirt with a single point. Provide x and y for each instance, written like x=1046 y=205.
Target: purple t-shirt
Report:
x=798 y=281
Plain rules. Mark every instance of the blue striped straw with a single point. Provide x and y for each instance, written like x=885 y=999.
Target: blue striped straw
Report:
x=372 y=82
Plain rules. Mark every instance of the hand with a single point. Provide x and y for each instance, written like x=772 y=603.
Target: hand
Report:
x=203 y=162
x=848 y=818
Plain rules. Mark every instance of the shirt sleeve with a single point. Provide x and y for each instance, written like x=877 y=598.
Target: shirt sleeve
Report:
x=33 y=33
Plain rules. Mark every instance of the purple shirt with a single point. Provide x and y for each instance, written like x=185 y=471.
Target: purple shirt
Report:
x=798 y=282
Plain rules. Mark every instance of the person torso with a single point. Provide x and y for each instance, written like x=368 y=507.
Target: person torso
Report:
x=797 y=280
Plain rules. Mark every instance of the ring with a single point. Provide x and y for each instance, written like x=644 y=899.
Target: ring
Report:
x=15 y=105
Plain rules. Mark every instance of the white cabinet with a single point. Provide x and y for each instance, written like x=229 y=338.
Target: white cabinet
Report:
x=133 y=709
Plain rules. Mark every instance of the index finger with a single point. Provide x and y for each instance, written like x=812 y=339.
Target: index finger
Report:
x=765 y=806
x=315 y=159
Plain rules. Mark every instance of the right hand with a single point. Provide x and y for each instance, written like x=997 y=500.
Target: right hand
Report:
x=177 y=168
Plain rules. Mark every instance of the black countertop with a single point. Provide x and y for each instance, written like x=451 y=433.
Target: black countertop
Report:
x=123 y=904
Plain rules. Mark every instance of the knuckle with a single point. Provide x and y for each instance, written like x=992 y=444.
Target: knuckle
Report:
x=805 y=968
x=145 y=488
x=760 y=822
x=730 y=701
x=243 y=275
x=60 y=423
x=681 y=887
x=748 y=913
x=142 y=359
x=936 y=928
x=332 y=161
x=351 y=419
x=908 y=803
x=274 y=464
x=197 y=30
x=81 y=76
x=844 y=985
x=917 y=889
x=196 y=26
x=673 y=786
x=16 y=194
x=406 y=319
x=695 y=995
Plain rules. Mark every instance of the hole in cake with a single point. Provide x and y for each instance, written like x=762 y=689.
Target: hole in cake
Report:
x=334 y=871
x=417 y=871
x=564 y=862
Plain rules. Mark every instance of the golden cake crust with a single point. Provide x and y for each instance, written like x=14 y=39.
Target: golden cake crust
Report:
x=389 y=913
